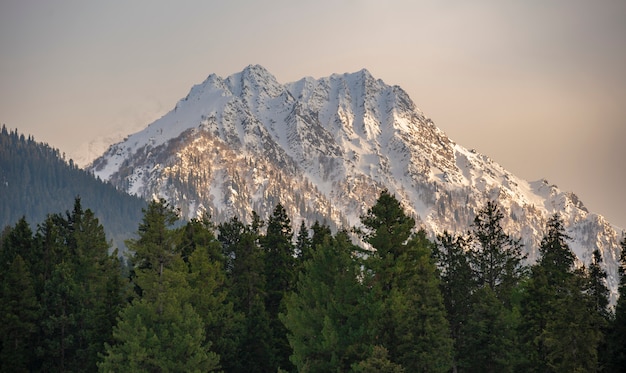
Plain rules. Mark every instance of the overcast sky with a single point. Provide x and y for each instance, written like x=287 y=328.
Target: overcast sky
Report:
x=539 y=86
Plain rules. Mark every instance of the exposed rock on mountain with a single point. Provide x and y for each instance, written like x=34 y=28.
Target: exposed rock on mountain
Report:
x=325 y=148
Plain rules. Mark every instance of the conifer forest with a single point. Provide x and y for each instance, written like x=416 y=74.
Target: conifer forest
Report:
x=195 y=296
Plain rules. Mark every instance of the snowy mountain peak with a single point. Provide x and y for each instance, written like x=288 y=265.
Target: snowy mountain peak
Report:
x=254 y=80
x=325 y=148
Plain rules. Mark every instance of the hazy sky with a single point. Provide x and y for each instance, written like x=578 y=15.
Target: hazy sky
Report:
x=539 y=86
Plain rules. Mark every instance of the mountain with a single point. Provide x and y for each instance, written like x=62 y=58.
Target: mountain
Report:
x=35 y=180
x=325 y=148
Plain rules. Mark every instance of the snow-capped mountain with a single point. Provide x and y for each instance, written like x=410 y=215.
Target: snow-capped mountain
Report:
x=325 y=148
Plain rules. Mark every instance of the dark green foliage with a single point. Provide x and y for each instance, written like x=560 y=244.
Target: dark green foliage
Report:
x=551 y=286
x=481 y=275
x=280 y=274
x=410 y=320
x=597 y=290
x=198 y=233
x=496 y=257
x=378 y=362
x=327 y=315
x=36 y=181
x=209 y=292
x=304 y=245
x=457 y=284
x=162 y=330
x=245 y=271
x=489 y=336
x=253 y=301
x=19 y=315
x=153 y=340
x=561 y=324
x=156 y=246
x=71 y=290
x=320 y=233
x=616 y=338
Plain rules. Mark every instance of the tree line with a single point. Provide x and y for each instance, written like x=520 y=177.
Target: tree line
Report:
x=235 y=297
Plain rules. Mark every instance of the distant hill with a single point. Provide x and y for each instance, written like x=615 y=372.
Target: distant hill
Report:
x=36 y=180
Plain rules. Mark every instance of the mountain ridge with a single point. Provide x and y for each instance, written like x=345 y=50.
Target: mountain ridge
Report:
x=325 y=148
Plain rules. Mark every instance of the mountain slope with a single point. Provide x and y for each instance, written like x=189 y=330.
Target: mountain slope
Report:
x=36 y=181
x=325 y=148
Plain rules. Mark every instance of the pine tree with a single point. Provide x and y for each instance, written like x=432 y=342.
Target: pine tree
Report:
x=327 y=313
x=161 y=331
x=246 y=283
x=572 y=336
x=19 y=315
x=549 y=279
x=496 y=257
x=208 y=292
x=18 y=240
x=489 y=336
x=153 y=339
x=155 y=248
x=82 y=290
x=100 y=286
x=457 y=285
x=598 y=291
x=600 y=314
x=410 y=321
x=558 y=327
x=616 y=339
x=378 y=362
x=496 y=262
x=280 y=275
x=320 y=233
x=303 y=244
x=199 y=233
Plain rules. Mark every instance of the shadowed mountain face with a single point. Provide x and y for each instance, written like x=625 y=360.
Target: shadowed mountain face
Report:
x=325 y=148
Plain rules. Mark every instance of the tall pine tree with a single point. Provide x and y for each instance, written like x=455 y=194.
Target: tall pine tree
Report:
x=616 y=339
x=327 y=315
x=497 y=266
x=410 y=321
x=245 y=271
x=457 y=285
x=161 y=331
x=559 y=328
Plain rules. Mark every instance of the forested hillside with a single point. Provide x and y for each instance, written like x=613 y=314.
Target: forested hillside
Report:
x=258 y=297
x=35 y=180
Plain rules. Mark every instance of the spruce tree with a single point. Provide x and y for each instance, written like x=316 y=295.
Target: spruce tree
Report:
x=77 y=284
x=327 y=313
x=303 y=244
x=155 y=248
x=616 y=339
x=598 y=294
x=153 y=339
x=559 y=328
x=457 y=285
x=208 y=291
x=378 y=362
x=598 y=291
x=496 y=257
x=320 y=233
x=280 y=275
x=246 y=283
x=410 y=321
x=19 y=316
x=496 y=261
x=489 y=336
x=161 y=331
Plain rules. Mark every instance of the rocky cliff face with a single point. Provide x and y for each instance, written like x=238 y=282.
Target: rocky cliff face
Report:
x=325 y=148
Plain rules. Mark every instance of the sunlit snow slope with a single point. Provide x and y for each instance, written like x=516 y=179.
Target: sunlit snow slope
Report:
x=325 y=148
